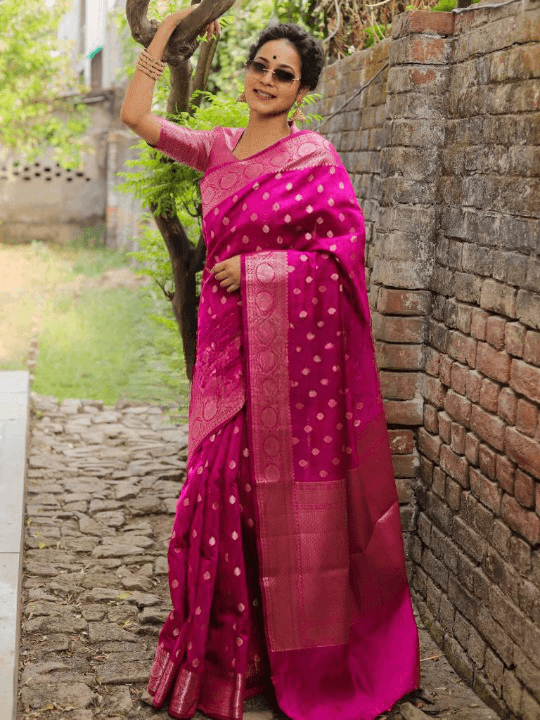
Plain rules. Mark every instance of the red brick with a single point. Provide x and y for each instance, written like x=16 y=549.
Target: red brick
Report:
x=398 y=357
x=500 y=537
x=457 y=442
x=445 y=427
x=478 y=323
x=505 y=471
x=398 y=329
x=514 y=338
x=531 y=353
x=422 y=21
x=526 y=417
x=489 y=427
x=458 y=407
x=459 y=378
x=524 y=451
x=487 y=459
x=455 y=465
x=489 y=395
x=434 y=391
x=422 y=77
x=525 y=379
x=431 y=422
x=403 y=302
x=472 y=446
x=428 y=444
x=398 y=385
x=426 y=470
x=524 y=522
x=453 y=493
x=438 y=485
x=405 y=466
x=401 y=441
x=493 y=363
x=462 y=347
x=404 y=490
x=403 y=412
x=425 y=50
x=432 y=361
x=507 y=405
x=474 y=384
x=486 y=491
x=524 y=487
x=495 y=331
x=499 y=298
x=445 y=370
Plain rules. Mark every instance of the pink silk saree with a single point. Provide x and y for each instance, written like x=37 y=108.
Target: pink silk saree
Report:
x=286 y=560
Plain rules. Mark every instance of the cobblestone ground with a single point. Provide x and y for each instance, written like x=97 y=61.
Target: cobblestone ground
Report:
x=102 y=490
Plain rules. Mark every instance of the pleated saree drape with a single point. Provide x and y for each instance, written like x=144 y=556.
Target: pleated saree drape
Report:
x=286 y=560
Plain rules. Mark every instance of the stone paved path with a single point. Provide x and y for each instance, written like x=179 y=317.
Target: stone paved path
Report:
x=102 y=490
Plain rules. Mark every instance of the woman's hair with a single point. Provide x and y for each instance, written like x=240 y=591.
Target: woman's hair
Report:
x=312 y=57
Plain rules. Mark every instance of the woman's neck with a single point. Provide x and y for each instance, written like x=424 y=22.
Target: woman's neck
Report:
x=264 y=128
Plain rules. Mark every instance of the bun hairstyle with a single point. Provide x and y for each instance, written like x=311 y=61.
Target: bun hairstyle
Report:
x=312 y=56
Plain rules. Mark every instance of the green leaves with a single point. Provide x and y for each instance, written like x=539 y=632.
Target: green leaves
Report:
x=36 y=81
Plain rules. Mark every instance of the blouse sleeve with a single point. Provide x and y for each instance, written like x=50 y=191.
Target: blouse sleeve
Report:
x=187 y=146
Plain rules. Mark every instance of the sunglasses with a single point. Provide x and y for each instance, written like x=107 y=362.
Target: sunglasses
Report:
x=258 y=69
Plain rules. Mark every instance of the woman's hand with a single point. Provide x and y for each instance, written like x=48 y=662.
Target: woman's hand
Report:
x=229 y=273
x=212 y=29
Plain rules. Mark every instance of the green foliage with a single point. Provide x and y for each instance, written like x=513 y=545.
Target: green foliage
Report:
x=305 y=13
x=375 y=33
x=38 y=91
x=448 y=5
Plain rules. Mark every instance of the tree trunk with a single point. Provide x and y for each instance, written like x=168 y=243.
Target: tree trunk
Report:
x=186 y=258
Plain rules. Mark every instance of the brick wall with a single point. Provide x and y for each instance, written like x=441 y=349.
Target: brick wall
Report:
x=451 y=192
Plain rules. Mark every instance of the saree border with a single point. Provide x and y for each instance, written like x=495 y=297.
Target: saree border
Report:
x=266 y=301
x=302 y=527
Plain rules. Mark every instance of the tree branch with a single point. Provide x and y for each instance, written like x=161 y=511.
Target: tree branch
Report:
x=202 y=70
x=142 y=29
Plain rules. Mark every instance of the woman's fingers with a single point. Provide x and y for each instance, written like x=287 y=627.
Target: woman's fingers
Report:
x=213 y=29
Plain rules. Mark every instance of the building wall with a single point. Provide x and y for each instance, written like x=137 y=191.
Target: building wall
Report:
x=43 y=202
x=451 y=193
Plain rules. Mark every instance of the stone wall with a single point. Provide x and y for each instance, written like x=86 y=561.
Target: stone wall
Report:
x=454 y=280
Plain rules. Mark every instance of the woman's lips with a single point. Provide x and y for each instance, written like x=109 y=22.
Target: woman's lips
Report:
x=268 y=97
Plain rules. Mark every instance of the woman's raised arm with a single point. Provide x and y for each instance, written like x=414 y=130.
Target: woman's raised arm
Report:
x=136 y=110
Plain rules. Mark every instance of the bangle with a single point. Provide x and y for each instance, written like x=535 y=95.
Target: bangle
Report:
x=150 y=65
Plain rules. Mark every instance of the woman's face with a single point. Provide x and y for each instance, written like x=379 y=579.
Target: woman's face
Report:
x=273 y=55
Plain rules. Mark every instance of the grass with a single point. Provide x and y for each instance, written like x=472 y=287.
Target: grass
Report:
x=94 y=343
x=104 y=346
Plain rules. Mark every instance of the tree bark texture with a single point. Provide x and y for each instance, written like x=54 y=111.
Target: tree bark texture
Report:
x=186 y=258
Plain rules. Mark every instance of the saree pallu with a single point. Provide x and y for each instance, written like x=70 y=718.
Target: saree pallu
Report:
x=286 y=402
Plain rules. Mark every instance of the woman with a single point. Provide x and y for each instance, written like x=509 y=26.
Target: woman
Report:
x=286 y=558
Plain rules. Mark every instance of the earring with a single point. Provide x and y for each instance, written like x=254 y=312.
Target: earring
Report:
x=298 y=114
x=241 y=98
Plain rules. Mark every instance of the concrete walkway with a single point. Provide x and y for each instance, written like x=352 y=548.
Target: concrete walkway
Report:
x=14 y=390
x=102 y=490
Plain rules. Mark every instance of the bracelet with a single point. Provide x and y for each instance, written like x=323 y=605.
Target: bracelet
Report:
x=150 y=65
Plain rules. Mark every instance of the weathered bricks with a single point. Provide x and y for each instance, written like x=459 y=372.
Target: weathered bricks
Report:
x=450 y=188
x=523 y=450
x=525 y=379
x=493 y=363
